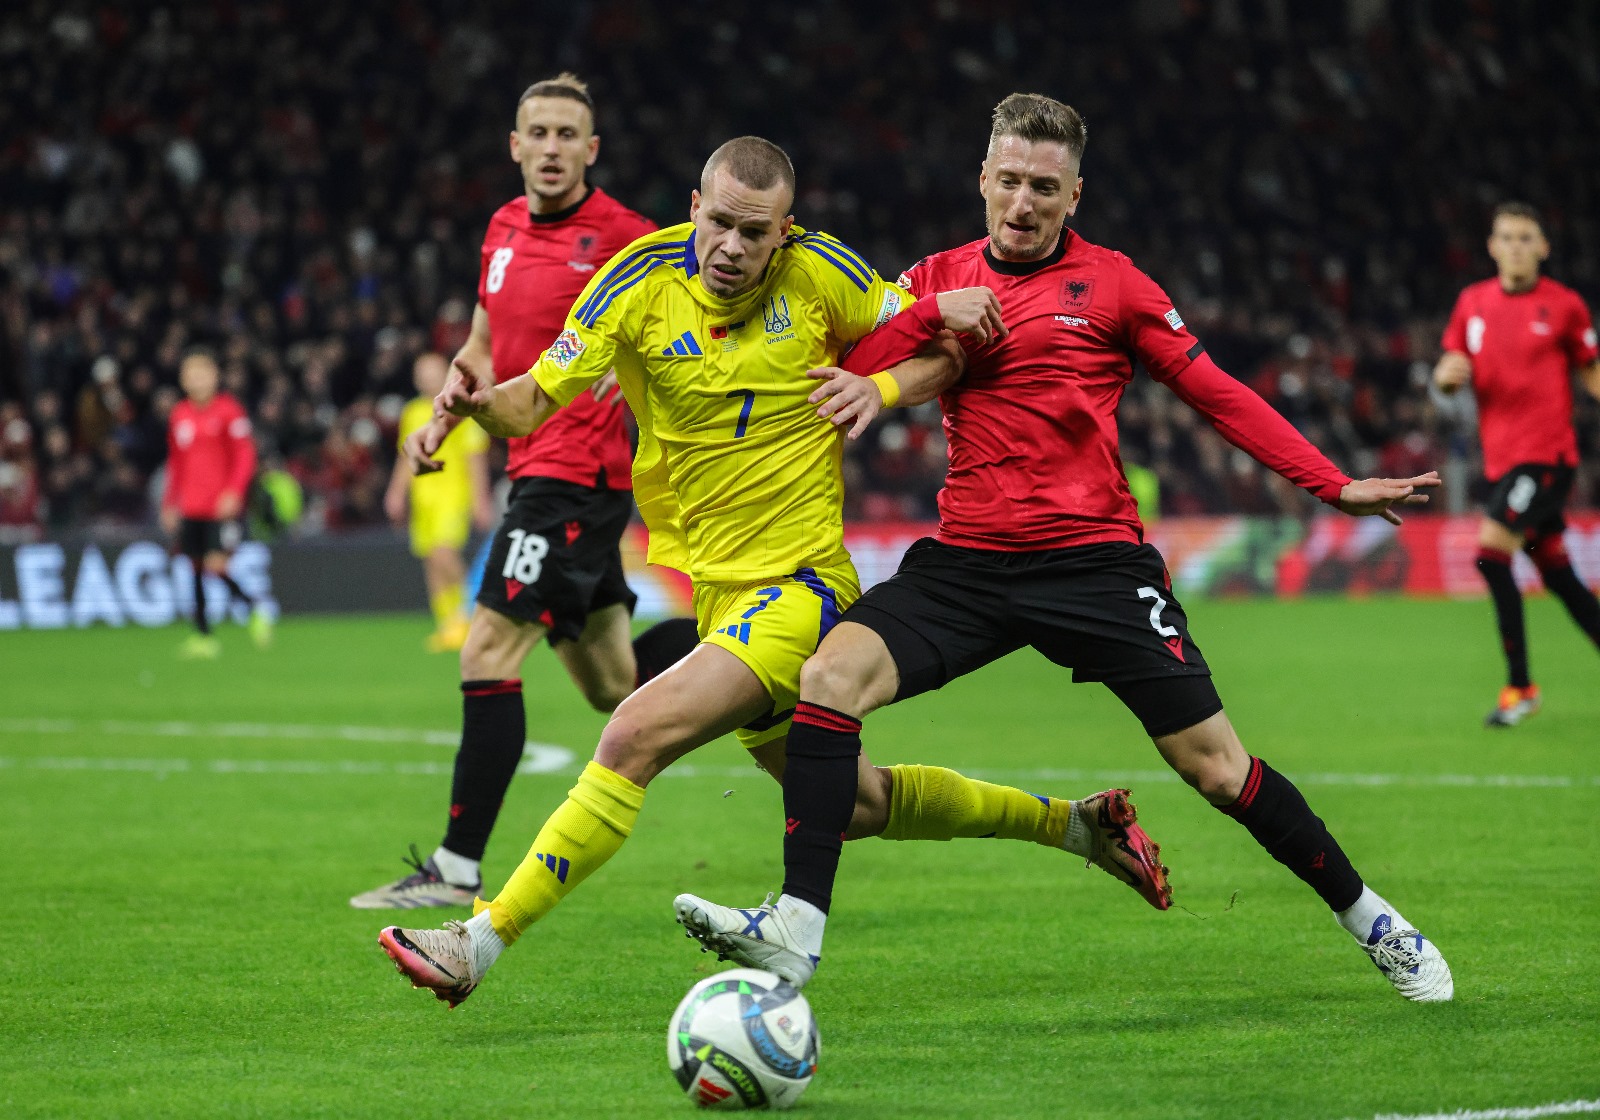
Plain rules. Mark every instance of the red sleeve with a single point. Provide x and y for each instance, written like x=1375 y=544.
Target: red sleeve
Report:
x=174 y=491
x=1455 y=331
x=241 y=454
x=483 y=267
x=1152 y=327
x=898 y=339
x=1580 y=338
x=1253 y=425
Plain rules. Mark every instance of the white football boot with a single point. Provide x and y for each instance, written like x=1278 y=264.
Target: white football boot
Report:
x=758 y=938
x=441 y=960
x=1411 y=962
x=424 y=887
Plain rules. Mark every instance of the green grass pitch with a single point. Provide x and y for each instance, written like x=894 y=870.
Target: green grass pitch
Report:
x=178 y=941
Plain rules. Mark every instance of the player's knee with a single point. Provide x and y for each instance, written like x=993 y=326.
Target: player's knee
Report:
x=633 y=747
x=606 y=696
x=833 y=682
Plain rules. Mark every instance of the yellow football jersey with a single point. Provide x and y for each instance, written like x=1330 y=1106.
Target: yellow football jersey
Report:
x=451 y=486
x=736 y=476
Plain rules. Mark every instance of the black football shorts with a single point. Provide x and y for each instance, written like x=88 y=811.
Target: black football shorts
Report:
x=557 y=558
x=1528 y=499
x=1105 y=611
x=197 y=537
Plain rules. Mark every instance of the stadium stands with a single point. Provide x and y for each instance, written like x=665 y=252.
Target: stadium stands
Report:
x=305 y=186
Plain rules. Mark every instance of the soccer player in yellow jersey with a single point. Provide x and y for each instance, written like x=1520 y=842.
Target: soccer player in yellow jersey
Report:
x=444 y=505
x=713 y=328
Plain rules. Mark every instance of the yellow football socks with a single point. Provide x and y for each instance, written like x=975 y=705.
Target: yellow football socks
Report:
x=932 y=803
x=446 y=605
x=587 y=830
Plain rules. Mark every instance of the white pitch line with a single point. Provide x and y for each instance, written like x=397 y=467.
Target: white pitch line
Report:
x=544 y=758
x=538 y=758
x=1531 y=1112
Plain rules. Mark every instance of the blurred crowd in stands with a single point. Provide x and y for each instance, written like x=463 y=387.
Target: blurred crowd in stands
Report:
x=304 y=187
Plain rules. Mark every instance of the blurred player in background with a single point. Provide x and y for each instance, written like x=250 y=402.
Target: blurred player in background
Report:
x=712 y=327
x=444 y=504
x=1516 y=339
x=555 y=563
x=1040 y=545
x=211 y=458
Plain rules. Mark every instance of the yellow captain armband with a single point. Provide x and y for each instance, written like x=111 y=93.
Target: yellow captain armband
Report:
x=888 y=386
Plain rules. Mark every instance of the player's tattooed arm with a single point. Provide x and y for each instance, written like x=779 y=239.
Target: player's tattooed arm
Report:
x=848 y=398
x=1453 y=371
x=514 y=408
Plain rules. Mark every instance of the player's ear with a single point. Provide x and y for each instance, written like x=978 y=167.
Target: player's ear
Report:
x=983 y=178
x=594 y=151
x=1075 y=197
x=516 y=147
x=694 y=204
x=785 y=226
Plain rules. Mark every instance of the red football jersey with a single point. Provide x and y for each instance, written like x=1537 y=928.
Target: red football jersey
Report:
x=533 y=267
x=1523 y=346
x=1032 y=425
x=209 y=453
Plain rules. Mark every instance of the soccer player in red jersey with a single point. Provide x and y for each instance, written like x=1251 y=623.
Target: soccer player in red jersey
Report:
x=1516 y=339
x=1040 y=544
x=211 y=459
x=555 y=564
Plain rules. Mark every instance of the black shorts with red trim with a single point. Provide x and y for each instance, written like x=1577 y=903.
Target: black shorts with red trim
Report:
x=1528 y=499
x=556 y=557
x=1105 y=611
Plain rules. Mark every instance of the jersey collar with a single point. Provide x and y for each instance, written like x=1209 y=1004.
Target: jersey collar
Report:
x=1027 y=268
x=691 y=262
x=562 y=214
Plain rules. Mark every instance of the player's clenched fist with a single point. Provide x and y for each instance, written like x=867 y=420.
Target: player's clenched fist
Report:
x=974 y=312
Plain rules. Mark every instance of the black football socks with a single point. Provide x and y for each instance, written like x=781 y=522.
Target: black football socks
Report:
x=819 y=797
x=493 y=728
x=1276 y=814
x=663 y=646
x=1496 y=568
x=201 y=622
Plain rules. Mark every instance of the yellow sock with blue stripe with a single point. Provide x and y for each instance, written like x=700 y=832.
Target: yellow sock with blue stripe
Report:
x=932 y=803
x=579 y=837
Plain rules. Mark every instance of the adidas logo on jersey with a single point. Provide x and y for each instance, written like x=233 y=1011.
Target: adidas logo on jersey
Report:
x=683 y=347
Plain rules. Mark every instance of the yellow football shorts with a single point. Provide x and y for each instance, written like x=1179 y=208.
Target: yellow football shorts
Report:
x=436 y=524
x=773 y=626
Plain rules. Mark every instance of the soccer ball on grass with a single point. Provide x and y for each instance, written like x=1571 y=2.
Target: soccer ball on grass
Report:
x=743 y=1039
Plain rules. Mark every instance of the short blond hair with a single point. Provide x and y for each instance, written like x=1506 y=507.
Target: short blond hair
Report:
x=1034 y=117
x=757 y=163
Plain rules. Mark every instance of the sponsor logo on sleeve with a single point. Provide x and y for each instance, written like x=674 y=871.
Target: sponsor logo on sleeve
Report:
x=1174 y=320
x=1588 y=338
x=905 y=281
x=565 y=348
x=890 y=308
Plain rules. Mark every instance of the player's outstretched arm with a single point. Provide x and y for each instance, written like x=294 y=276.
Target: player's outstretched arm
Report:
x=850 y=398
x=1453 y=371
x=1367 y=496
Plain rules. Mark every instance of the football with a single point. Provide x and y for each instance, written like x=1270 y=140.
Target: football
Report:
x=743 y=1039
